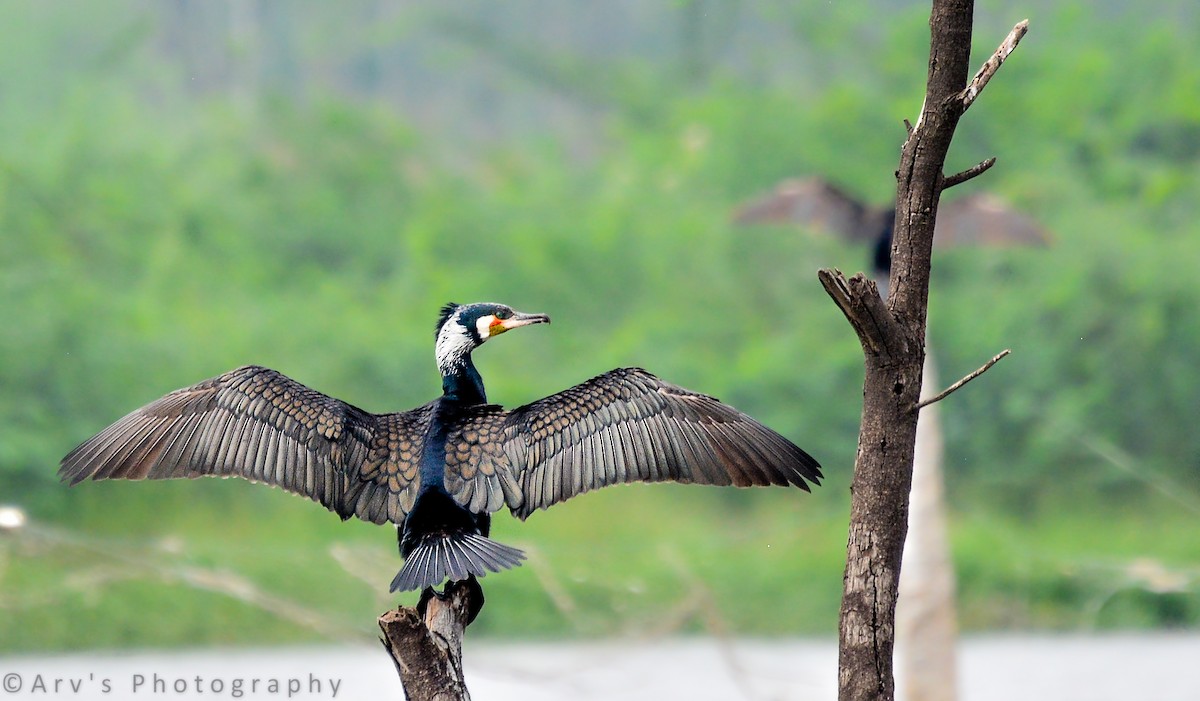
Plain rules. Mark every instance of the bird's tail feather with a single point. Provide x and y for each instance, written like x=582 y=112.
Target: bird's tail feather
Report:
x=454 y=557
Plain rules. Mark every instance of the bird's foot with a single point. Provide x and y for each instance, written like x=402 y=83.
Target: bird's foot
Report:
x=473 y=591
x=423 y=603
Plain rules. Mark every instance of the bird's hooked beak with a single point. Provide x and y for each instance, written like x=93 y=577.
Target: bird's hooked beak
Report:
x=517 y=320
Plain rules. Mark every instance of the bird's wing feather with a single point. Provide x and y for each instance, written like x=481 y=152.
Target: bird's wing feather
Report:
x=386 y=483
x=629 y=426
x=479 y=473
x=813 y=203
x=986 y=220
x=261 y=425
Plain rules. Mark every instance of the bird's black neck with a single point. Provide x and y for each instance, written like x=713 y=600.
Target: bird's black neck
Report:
x=462 y=382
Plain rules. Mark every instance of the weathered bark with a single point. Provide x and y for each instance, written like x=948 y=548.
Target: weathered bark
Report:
x=893 y=340
x=427 y=649
x=879 y=490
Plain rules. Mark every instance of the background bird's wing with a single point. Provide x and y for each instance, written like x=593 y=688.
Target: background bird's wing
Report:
x=261 y=425
x=986 y=220
x=813 y=203
x=629 y=426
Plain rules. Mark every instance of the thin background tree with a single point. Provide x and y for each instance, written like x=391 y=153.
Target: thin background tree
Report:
x=892 y=335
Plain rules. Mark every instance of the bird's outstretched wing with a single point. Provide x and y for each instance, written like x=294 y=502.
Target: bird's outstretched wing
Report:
x=480 y=472
x=816 y=204
x=263 y=426
x=986 y=220
x=629 y=426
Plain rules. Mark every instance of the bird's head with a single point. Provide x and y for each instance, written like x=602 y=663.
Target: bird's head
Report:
x=462 y=328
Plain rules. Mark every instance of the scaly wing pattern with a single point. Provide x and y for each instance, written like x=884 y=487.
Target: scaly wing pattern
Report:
x=629 y=426
x=479 y=473
x=261 y=425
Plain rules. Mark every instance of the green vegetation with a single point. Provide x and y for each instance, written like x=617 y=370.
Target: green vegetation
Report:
x=154 y=235
x=234 y=564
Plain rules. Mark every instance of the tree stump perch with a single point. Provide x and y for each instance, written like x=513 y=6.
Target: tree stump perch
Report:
x=427 y=646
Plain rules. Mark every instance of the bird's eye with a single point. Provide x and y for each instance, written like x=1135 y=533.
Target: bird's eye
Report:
x=503 y=313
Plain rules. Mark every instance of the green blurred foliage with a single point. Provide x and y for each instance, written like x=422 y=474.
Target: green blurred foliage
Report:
x=154 y=233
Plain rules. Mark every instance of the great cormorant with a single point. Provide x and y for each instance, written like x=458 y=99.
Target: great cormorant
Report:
x=440 y=470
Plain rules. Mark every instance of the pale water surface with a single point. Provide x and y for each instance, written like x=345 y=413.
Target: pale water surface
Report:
x=1135 y=667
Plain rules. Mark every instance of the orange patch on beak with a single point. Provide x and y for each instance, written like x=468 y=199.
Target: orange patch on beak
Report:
x=497 y=326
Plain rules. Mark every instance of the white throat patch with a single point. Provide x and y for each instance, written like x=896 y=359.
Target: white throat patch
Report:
x=453 y=344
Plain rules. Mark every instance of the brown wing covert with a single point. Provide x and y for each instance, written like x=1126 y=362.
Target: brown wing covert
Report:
x=479 y=474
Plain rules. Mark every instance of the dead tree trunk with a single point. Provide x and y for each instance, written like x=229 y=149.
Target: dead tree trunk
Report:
x=427 y=646
x=893 y=340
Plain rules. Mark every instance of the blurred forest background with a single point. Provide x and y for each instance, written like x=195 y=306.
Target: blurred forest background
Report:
x=190 y=186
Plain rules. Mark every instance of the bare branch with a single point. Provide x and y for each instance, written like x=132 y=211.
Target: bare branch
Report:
x=993 y=64
x=859 y=300
x=974 y=171
x=908 y=126
x=1113 y=455
x=836 y=286
x=946 y=392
